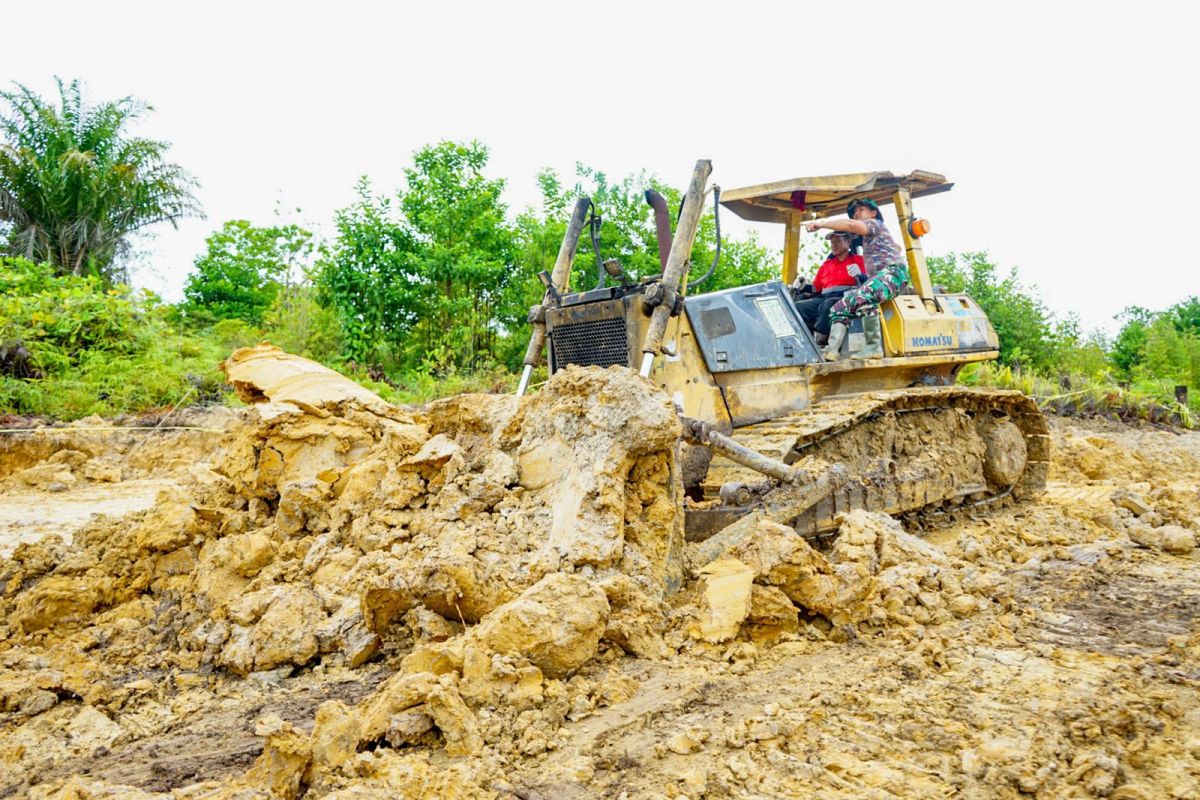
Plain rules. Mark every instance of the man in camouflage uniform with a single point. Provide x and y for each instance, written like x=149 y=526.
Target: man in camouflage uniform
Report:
x=886 y=276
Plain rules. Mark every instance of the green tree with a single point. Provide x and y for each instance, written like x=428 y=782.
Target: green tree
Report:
x=74 y=186
x=1079 y=353
x=1130 y=344
x=367 y=274
x=1159 y=346
x=464 y=258
x=1186 y=315
x=1167 y=353
x=1024 y=325
x=418 y=278
x=244 y=268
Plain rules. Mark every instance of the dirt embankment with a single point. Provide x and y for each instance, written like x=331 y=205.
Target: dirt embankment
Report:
x=492 y=598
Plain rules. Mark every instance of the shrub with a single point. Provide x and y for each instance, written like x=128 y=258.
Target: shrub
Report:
x=243 y=270
x=92 y=350
x=299 y=324
x=235 y=333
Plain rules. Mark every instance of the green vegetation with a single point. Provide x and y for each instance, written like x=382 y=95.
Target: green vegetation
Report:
x=418 y=292
x=435 y=278
x=74 y=186
x=244 y=269
x=1152 y=401
x=1133 y=376
x=69 y=348
x=418 y=278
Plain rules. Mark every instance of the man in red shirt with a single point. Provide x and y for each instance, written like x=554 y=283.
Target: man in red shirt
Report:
x=839 y=274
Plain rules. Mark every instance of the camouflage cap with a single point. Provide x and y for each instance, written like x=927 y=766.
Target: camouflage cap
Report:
x=868 y=202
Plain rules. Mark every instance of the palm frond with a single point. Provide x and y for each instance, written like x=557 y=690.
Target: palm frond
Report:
x=74 y=187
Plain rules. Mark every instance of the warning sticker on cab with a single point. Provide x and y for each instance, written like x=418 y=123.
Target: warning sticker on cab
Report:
x=776 y=318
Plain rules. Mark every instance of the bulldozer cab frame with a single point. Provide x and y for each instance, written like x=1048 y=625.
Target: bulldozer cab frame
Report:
x=798 y=200
x=922 y=320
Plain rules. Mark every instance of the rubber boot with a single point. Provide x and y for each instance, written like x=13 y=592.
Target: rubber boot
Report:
x=873 y=336
x=837 y=335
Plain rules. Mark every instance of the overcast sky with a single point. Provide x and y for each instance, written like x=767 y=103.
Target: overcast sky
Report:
x=1067 y=128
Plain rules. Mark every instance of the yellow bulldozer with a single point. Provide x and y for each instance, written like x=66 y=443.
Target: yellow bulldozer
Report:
x=770 y=428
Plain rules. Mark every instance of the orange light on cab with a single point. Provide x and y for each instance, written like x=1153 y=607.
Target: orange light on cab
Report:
x=918 y=227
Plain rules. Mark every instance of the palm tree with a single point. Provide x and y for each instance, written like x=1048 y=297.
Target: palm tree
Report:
x=74 y=186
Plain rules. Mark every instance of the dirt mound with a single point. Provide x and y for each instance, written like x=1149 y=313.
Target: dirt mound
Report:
x=492 y=598
x=332 y=531
x=751 y=581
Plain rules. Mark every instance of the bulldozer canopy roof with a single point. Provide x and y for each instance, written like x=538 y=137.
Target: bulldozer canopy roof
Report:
x=826 y=195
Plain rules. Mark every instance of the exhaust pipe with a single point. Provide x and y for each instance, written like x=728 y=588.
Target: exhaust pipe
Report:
x=662 y=225
x=560 y=280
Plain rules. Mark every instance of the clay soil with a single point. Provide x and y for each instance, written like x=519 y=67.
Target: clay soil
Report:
x=353 y=601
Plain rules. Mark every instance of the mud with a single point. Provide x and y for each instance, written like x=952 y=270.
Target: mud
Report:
x=100 y=451
x=486 y=598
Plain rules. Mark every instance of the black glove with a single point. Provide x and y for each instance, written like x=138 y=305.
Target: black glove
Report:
x=804 y=292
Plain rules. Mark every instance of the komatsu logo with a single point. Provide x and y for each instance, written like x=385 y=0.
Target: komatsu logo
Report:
x=941 y=340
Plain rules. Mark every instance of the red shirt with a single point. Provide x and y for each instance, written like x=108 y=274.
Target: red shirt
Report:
x=833 y=273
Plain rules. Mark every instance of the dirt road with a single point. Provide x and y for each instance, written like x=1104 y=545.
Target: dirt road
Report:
x=29 y=515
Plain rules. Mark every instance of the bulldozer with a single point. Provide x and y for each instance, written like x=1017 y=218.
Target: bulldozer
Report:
x=772 y=429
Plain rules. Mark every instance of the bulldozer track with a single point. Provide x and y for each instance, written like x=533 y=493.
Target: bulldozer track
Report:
x=922 y=499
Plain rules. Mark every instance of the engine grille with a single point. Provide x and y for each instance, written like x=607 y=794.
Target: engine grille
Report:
x=601 y=342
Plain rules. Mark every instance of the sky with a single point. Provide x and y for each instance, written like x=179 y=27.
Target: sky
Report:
x=1066 y=127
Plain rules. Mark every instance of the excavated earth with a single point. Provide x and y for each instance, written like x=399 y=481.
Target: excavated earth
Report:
x=322 y=595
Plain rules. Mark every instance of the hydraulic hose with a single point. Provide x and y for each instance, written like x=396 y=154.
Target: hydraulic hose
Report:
x=717 y=254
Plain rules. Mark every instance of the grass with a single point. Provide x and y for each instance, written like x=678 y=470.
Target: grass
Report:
x=1079 y=395
x=171 y=370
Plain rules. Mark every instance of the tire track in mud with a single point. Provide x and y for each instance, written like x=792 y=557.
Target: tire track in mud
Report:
x=1130 y=612
x=1065 y=494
